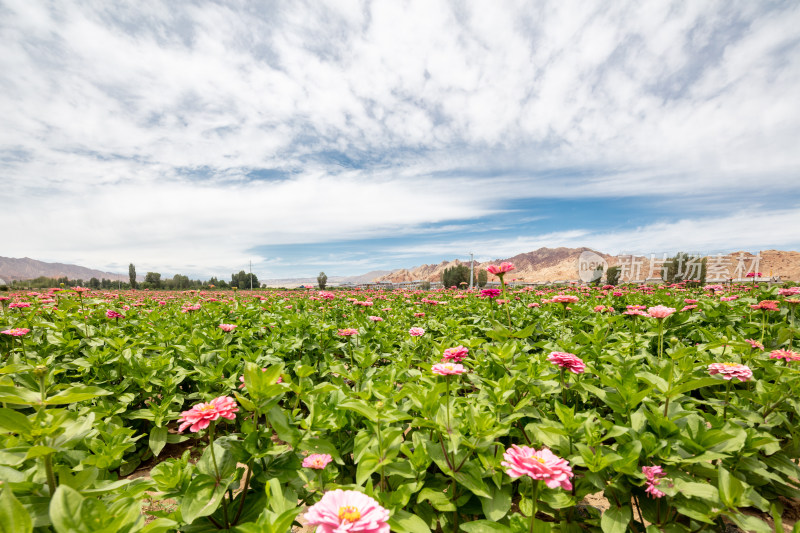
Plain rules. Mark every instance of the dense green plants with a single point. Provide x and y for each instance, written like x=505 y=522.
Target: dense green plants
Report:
x=677 y=406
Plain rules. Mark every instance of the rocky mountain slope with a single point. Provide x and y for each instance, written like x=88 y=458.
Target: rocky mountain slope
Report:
x=26 y=268
x=552 y=264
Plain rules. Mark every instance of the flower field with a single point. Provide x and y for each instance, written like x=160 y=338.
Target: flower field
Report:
x=492 y=411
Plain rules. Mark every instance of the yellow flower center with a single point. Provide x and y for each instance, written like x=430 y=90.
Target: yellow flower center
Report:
x=349 y=513
x=538 y=459
x=209 y=407
x=730 y=364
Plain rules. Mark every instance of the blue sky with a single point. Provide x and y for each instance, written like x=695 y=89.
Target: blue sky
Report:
x=348 y=136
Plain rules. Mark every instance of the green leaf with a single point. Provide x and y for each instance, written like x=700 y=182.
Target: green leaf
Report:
x=77 y=393
x=616 y=519
x=18 y=395
x=730 y=489
x=12 y=421
x=694 y=384
x=280 y=423
x=13 y=516
x=160 y=525
x=201 y=498
x=498 y=505
x=405 y=522
x=158 y=439
x=691 y=489
x=65 y=510
x=360 y=407
x=484 y=526
x=366 y=466
x=438 y=499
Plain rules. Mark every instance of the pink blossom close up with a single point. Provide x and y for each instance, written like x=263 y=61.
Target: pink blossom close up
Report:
x=416 y=332
x=731 y=370
x=448 y=369
x=540 y=465
x=317 y=461
x=347 y=511
x=653 y=475
x=500 y=270
x=567 y=361
x=201 y=415
x=16 y=332
x=660 y=311
x=457 y=354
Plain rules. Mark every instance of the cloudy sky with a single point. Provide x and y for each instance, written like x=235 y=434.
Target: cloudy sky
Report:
x=346 y=136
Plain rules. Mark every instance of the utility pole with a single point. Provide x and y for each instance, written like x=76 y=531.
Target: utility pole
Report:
x=471 y=269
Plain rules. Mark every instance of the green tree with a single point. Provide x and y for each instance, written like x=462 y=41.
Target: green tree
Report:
x=612 y=275
x=94 y=283
x=153 y=279
x=455 y=275
x=243 y=280
x=322 y=280
x=132 y=275
x=483 y=278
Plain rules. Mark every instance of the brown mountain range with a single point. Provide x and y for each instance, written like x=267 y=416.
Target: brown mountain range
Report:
x=26 y=268
x=555 y=264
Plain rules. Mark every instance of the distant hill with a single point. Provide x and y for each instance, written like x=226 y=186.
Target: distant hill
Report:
x=26 y=268
x=332 y=280
x=555 y=264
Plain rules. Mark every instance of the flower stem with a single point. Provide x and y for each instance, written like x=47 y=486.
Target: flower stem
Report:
x=216 y=470
x=727 y=401
x=507 y=301
x=534 y=497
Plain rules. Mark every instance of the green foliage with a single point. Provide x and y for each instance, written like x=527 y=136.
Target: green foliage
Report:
x=86 y=400
x=455 y=276
x=245 y=281
x=152 y=280
x=483 y=277
x=612 y=275
x=322 y=280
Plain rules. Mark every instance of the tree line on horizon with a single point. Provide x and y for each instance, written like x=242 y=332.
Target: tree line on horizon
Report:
x=152 y=280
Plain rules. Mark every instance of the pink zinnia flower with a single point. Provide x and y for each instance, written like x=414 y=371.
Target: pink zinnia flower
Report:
x=541 y=465
x=416 y=332
x=688 y=308
x=731 y=370
x=326 y=295
x=754 y=344
x=791 y=291
x=567 y=361
x=16 y=332
x=788 y=355
x=347 y=511
x=564 y=299
x=457 y=354
x=114 y=314
x=653 y=475
x=490 y=293
x=660 y=311
x=376 y=319
x=419 y=315
x=201 y=415
x=349 y=332
x=227 y=327
x=448 y=369
x=16 y=305
x=317 y=461
x=532 y=305
x=500 y=270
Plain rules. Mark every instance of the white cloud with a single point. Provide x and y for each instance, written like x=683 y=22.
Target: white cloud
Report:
x=132 y=128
